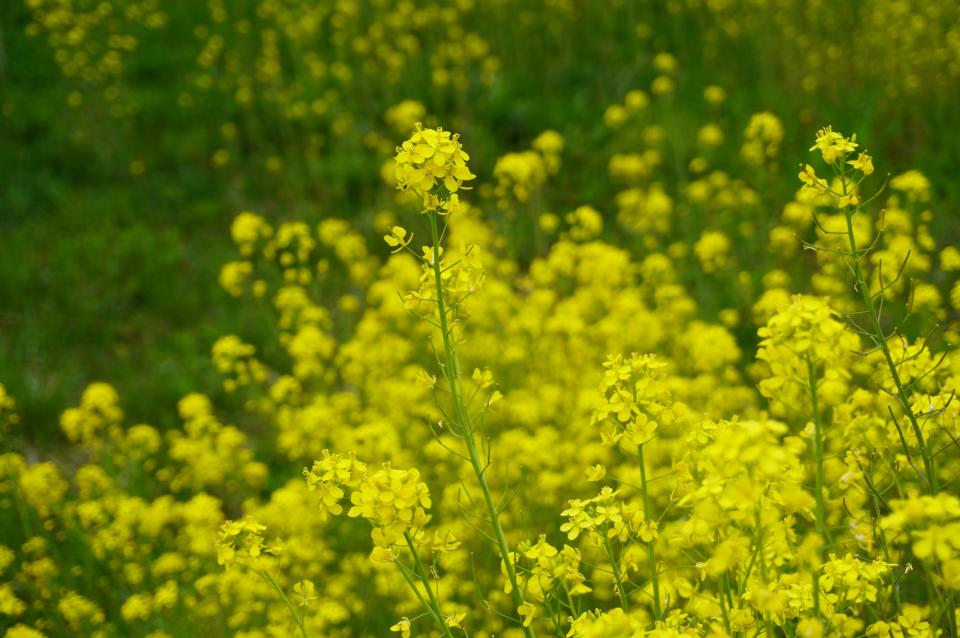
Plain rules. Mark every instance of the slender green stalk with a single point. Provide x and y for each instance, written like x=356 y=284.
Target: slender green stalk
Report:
x=820 y=512
x=617 y=576
x=882 y=538
x=433 y=605
x=767 y=624
x=293 y=611
x=437 y=616
x=651 y=550
x=879 y=338
x=451 y=372
x=722 y=597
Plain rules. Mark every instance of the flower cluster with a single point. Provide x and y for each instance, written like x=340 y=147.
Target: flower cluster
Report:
x=806 y=334
x=395 y=502
x=242 y=542
x=762 y=139
x=433 y=165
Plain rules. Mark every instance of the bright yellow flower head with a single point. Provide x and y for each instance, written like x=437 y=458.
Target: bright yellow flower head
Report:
x=528 y=612
x=863 y=163
x=433 y=164
x=241 y=541
x=833 y=145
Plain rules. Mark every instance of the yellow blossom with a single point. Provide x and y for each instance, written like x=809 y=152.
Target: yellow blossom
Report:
x=429 y=159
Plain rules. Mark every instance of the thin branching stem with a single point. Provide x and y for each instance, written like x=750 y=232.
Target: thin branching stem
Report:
x=651 y=550
x=878 y=336
x=451 y=370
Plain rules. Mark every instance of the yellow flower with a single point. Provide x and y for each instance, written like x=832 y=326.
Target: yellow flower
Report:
x=833 y=145
x=519 y=175
x=405 y=115
x=241 y=541
x=10 y=605
x=712 y=249
x=934 y=542
x=483 y=378
x=305 y=592
x=444 y=543
x=645 y=530
x=403 y=626
x=428 y=254
x=863 y=163
x=433 y=164
x=810 y=180
x=398 y=239
x=426 y=380
x=383 y=554
x=528 y=612
x=850 y=200
x=762 y=138
x=596 y=473
x=542 y=549
x=809 y=628
x=454 y=620
x=714 y=94
x=394 y=501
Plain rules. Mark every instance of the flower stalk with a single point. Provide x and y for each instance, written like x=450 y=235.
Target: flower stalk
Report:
x=651 y=551
x=878 y=336
x=451 y=372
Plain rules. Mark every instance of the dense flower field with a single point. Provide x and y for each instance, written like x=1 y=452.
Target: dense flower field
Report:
x=705 y=391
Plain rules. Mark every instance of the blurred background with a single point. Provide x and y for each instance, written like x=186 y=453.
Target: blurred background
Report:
x=132 y=132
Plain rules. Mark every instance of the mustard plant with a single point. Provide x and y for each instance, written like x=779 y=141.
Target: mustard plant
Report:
x=433 y=166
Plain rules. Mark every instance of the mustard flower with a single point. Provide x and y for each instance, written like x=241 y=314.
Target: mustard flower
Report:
x=433 y=165
x=405 y=115
x=862 y=163
x=305 y=592
x=914 y=184
x=762 y=138
x=832 y=145
x=528 y=612
x=398 y=239
x=402 y=626
x=10 y=605
x=519 y=175
x=810 y=181
x=242 y=541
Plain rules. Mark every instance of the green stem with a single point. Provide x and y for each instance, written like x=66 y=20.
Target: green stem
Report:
x=574 y=609
x=437 y=617
x=293 y=611
x=721 y=596
x=768 y=625
x=651 y=550
x=452 y=373
x=821 y=510
x=881 y=341
x=818 y=476
x=617 y=576
x=434 y=604
x=882 y=537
